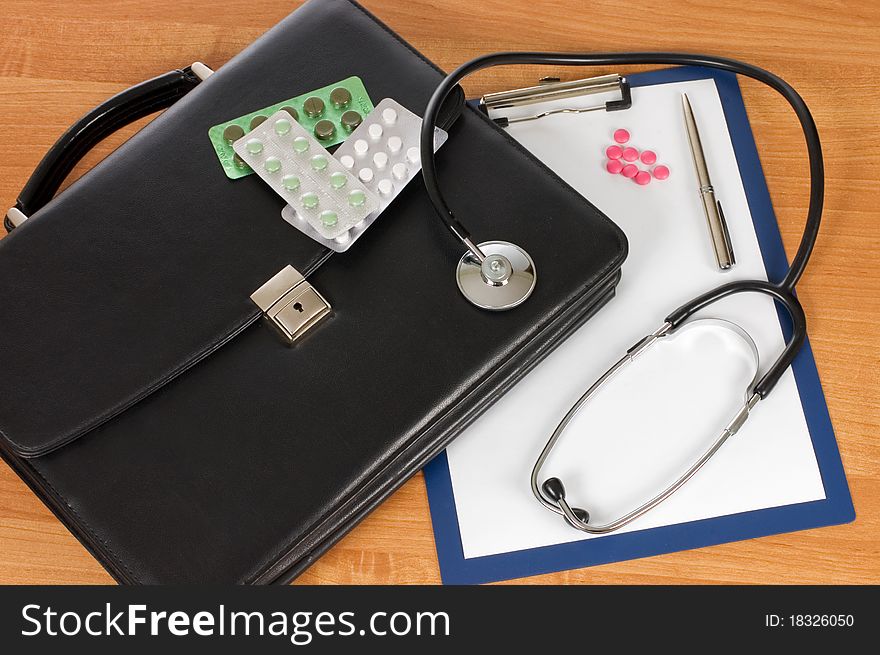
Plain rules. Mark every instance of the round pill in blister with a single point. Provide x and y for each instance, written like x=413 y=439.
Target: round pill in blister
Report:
x=389 y=115
x=357 y=198
x=365 y=174
x=338 y=179
x=361 y=146
x=351 y=120
x=375 y=131
x=254 y=146
x=233 y=133
x=412 y=154
x=294 y=114
x=313 y=107
x=325 y=130
x=282 y=126
x=290 y=182
x=300 y=144
x=272 y=164
x=399 y=170
x=345 y=237
x=340 y=97
x=258 y=120
x=385 y=187
x=380 y=159
x=319 y=162
x=395 y=143
x=238 y=161
x=329 y=218
x=347 y=161
x=309 y=200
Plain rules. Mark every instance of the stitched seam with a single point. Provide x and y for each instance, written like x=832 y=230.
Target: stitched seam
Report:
x=323 y=255
x=111 y=554
x=518 y=146
x=319 y=258
x=290 y=544
x=132 y=399
x=160 y=381
x=428 y=429
x=167 y=376
x=541 y=328
x=164 y=378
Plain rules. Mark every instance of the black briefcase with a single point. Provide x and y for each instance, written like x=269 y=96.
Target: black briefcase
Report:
x=149 y=406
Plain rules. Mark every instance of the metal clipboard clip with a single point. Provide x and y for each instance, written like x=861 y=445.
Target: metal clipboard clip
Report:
x=551 y=88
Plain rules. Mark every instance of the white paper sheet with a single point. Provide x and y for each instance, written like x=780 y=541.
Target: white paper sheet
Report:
x=647 y=428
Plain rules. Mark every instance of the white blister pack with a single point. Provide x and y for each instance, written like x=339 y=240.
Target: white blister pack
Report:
x=383 y=153
x=329 y=200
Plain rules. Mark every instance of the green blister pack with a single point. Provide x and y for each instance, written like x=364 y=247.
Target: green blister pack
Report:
x=330 y=113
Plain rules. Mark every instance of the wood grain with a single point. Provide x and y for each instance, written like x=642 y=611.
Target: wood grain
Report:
x=58 y=59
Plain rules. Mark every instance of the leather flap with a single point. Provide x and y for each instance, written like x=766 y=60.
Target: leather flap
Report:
x=145 y=265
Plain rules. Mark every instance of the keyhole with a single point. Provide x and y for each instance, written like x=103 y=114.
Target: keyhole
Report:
x=298 y=307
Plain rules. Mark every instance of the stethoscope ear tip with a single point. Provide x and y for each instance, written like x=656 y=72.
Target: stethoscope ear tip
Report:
x=582 y=514
x=553 y=489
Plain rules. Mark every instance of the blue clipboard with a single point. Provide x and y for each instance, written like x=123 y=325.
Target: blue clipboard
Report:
x=837 y=507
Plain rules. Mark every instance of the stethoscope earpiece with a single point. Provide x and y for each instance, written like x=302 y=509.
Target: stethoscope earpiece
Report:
x=555 y=491
x=551 y=492
x=497 y=275
x=502 y=279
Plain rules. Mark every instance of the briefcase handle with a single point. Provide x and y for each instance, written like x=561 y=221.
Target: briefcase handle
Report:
x=115 y=113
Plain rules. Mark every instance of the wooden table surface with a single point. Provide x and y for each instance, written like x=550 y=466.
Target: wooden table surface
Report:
x=59 y=59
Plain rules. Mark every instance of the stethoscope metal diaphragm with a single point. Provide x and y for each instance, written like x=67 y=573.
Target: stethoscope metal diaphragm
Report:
x=504 y=278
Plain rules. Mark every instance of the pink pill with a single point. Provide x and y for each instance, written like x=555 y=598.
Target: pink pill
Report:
x=649 y=157
x=630 y=154
x=643 y=177
x=613 y=166
x=621 y=135
x=661 y=172
x=629 y=170
x=613 y=152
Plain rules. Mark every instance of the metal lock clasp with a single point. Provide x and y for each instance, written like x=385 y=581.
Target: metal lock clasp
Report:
x=290 y=304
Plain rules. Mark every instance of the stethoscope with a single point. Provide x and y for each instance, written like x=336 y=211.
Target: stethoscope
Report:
x=497 y=275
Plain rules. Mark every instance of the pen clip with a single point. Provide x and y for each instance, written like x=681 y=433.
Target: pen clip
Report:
x=726 y=233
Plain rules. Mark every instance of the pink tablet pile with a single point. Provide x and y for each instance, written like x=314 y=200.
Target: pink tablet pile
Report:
x=625 y=159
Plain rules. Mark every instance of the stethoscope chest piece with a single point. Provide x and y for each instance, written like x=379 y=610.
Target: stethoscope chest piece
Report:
x=504 y=279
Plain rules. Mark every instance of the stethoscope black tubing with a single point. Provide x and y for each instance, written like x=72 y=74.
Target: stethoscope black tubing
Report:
x=782 y=291
x=784 y=297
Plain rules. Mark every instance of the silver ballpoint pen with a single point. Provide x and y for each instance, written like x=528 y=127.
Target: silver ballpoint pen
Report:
x=714 y=214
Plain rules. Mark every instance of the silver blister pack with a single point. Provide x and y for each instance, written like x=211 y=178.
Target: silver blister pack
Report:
x=383 y=153
x=329 y=200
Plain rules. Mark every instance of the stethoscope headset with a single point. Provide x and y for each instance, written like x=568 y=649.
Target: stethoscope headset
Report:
x=497 y=275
